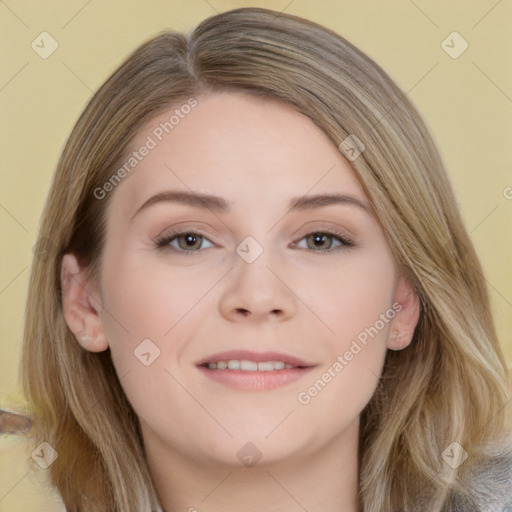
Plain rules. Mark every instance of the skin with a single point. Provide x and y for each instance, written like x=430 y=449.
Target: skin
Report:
x=295 y=299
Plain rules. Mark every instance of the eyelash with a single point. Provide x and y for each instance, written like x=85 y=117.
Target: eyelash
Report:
x=162 y=242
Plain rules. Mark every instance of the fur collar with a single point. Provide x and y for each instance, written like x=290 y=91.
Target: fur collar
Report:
x=490 y=488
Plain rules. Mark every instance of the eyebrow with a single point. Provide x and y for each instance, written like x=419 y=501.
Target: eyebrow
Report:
x=218 y=204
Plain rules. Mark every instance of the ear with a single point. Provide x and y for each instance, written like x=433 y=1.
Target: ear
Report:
x=81 y=304
x=407 y=307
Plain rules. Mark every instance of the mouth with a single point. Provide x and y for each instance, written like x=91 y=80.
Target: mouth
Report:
x=251 y=371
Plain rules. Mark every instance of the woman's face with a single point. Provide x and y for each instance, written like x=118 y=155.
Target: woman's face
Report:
x=279 y=262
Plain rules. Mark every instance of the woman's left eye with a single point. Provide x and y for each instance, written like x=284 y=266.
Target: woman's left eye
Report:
x=190 y=242
x=326 y=242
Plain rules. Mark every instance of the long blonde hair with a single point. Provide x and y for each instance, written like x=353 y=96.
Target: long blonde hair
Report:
x=450 y=385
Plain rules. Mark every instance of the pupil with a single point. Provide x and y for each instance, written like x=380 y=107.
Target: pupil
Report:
x=320 y=239
x=190 y=241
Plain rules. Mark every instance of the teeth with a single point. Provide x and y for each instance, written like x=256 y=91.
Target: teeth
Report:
x=268 y=366
x=249 y=366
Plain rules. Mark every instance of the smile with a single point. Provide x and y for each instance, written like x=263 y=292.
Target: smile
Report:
x=250 y=371
x=249 y=366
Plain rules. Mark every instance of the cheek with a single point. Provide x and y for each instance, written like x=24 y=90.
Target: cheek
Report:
x=148 y=300
x=356 y=295
x=150 y=315
x=356 y=303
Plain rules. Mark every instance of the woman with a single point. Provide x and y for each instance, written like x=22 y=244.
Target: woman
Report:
x=187 y=349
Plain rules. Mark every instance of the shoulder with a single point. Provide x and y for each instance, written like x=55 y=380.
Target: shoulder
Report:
x=489 y=488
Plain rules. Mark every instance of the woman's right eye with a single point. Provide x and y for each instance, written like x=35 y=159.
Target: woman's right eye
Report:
x=186 y=242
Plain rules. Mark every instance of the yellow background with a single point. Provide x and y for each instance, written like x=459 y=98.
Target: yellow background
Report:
x=466 y=101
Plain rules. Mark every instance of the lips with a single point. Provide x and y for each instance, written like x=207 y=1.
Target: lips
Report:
x=253 y=371
x=257 y=357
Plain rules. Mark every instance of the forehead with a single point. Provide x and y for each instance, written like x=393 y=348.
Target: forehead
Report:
x=237 y=146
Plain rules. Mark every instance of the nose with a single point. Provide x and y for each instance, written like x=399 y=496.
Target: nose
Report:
x=258 y=291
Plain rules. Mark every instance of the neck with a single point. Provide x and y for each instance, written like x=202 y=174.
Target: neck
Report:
x=324 y=480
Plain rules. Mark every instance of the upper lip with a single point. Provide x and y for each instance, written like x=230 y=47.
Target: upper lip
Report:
x=258 y=357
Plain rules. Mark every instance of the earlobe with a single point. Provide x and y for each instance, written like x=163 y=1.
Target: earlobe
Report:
x=407 y=315
x=81 y=306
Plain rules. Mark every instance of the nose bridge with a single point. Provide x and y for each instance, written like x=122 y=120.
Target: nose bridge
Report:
x=256 y=287
x=252 y=268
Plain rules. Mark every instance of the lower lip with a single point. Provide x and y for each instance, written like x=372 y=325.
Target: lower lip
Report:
x=255 y=380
